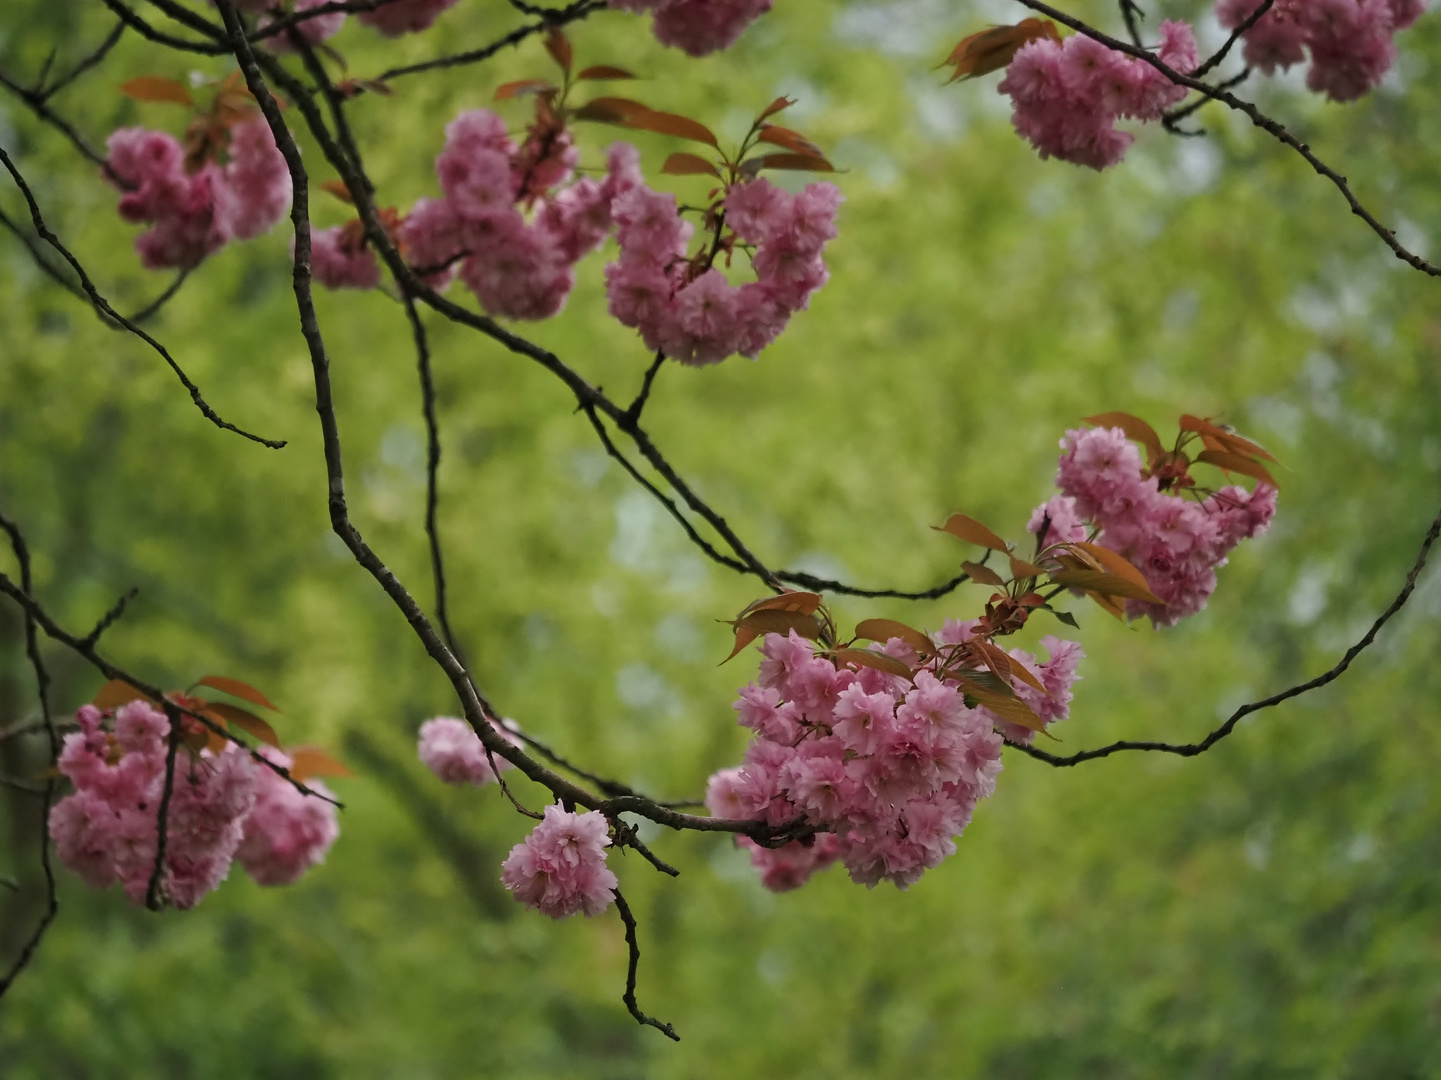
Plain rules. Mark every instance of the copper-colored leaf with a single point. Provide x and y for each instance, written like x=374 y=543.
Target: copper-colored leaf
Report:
x=1031 y=600
x=610 y=110
x=215 y=742
x=236 y=688
x=1005 y=706
x=772 y=621
x=1022 y=569
x=880 y=661
x=993 y=49
x=689 y=164
x=791 y=140
x=520 y=88
x=791 y=600
x=777 y=105
x=1114 y=562
x=1134 y=427
x=1236 y=463
x=1099 y=581
x=115 y=693
x=883 y=630
x=983 y=575
x=307 y=761
x=605 y=71
x=154 y=88
x=632 y=114
x=244 y=720
x=1228 y=439
x=791 y=162
x=972 y=532
x=197 y=740
x=1110 y=603
x=995 y=658
x=338 y=189
x=558 y=45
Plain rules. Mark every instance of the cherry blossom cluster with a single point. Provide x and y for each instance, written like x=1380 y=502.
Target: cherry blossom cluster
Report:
x=560 y=868
x=392 y=19
x=519 y=267
x=223 y=807
x=698 y=27
x=1350 y=41
x=888 y=768
x=1176 y=541
x=685 y=307
x=195 y=213
x=452 y=750
x=1067 y=96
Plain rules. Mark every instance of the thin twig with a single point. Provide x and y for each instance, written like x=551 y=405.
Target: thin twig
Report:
x=560 y=17
x=629 y=996
x=89 y=61
x=1220 y=54
x=110 y=618
x=1328 y=676
x=156 y=895
x=103 y=305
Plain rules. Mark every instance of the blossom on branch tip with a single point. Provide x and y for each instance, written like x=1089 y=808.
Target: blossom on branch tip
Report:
x=698 y=27
x=287 y=831
x=560 y=868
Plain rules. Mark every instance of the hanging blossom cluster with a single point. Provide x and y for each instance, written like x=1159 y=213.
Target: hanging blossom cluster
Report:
x=196 y=209
x=890 y=768
x=685 y=307
x=698 y=27
x=560 y=869
x=1350 y=41
x=222 y=808
x=1176 y=541
x=391 y=19
x=1068 y=95
x=518 y=267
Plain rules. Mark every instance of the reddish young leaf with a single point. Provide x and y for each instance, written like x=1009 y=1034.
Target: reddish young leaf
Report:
x=791 y=162
x=1007 y=707
x=154 y=88
x=197 y=741
x=1134 y=427
x=1022 y=569
x=883 y=630
x=307 y=761
x=791 y=140
x=1110 y=604
x=610 y=110
x=665 y=123
x=520 y=88
x=605 y=71
x=1228 y=439
x=236 y=688
x=244 y=720
x=778 y=105
x=972 y=532
x=880 y=661
x=983 y=575
x=558 y=45
x=1236 y=463
x=115 y=693
x=338 y=189
x=689 y=164
x=1107 y=584
x=992 y=49
x=1113 y=561
x=215 y=742
x=791 y=600
x=994 y=658
x=772 y=621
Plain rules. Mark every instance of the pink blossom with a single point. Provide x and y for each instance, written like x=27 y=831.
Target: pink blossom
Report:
x=432 y=241
x=340 y=259
x=452 y=750
x=791 y=865
x=287 y=831
x=404 y=16
x=258 y=179
x=698 y=27
x=560 y=867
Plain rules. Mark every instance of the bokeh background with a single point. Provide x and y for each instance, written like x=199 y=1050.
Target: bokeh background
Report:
x=1271 y=909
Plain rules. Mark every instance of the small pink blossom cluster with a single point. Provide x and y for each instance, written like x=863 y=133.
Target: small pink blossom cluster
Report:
x=698 y=27
x=889 y=769
x=222 y=807
x=1058 y=673
x=517 y=268
x=560 y=867
x=1350 y=41
x=452 y=750
x=195 y=214
x=1176 y=542
x=1067 y=96
x=391 y=19
x=701 y=318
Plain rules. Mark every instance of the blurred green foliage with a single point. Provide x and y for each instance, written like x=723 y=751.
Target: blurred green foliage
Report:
x=1268 y=910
